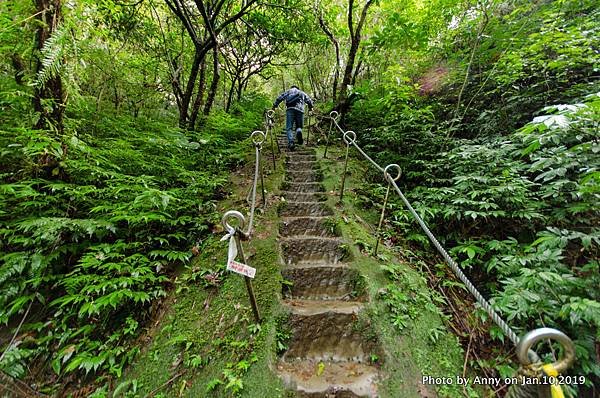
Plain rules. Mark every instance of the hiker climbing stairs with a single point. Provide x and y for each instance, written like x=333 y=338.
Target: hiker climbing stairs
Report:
x=326 y=356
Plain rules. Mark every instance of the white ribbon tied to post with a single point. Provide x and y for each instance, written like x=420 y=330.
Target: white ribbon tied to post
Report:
x=232 y=252
x=233 y=265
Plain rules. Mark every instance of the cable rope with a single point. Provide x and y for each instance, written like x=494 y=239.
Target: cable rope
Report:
x=258 y=138
x=526 y=355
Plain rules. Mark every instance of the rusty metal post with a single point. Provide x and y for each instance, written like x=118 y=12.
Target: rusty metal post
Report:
x=247 y=280
x=332 y=118
x=348 y=142
x=307 y=127
x=262 y=183
x=269 y=128
x=377 y=237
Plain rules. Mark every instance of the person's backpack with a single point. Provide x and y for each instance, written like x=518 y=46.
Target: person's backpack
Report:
x=294 y=100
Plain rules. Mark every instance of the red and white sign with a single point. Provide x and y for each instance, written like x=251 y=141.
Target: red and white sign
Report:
x=240 y=268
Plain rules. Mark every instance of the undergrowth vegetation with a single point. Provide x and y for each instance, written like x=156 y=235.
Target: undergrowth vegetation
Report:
x=92 y=238
x=120 y=122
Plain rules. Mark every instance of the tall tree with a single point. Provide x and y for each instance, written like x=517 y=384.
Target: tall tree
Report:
x=203 y=22
x=48 y=97
x=355 y=31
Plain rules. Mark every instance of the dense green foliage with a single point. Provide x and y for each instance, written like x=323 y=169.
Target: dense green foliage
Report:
x=93 y=248
x=509 y=178
x=120 y=121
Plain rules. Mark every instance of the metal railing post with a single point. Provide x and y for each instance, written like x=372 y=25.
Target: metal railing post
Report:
x=247 y=280
x=308 y=127
x=387 y=193
x=348 y=142
x=269 y=128
x=332 y=115
x=377 y=234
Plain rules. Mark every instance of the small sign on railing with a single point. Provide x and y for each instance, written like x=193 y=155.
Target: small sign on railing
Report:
x=241 y=269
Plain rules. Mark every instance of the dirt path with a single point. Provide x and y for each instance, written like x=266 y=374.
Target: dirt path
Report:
x=327 y=355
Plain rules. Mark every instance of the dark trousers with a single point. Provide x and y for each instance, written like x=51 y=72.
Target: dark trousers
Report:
x=293 y=117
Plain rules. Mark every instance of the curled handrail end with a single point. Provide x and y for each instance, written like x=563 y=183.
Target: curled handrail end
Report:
x=258 y=137
x=347 y=140
x=235 y=215
x=527 y=342
x=386 y=174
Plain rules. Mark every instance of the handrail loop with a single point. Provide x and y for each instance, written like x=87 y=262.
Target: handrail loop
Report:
x=527 y=342
x=348 y=142
x=258 y=137
x=236 y=215
x=387 y=175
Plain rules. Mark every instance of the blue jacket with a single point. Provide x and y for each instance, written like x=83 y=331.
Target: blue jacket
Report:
x=294 y=99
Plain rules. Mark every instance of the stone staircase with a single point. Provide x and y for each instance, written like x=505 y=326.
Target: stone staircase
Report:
x=327 y=354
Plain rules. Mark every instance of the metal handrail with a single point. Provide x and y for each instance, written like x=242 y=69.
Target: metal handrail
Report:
x=235 y=233
x=524 y=345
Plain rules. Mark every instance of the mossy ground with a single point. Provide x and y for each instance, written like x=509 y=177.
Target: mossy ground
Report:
x=208 y=344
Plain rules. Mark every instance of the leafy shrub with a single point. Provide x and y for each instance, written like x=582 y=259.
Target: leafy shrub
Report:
x=90 y=240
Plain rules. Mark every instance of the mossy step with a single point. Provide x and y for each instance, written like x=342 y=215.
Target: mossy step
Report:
x=323 y=283
x=326 y=251
x=304 y=209
x=303 y=196
x=303 y=187
x=291 y=165
x=316 y=379
x=299 y=157
x=328 y=336
x=314 y=307
x=303 y=176
x=308 y=226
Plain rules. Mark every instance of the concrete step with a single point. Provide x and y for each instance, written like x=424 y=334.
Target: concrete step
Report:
x=308 y=226
x=304 y=165
x=304 y=187
x=325 y=332
x=299 y=157
x=315 y=379
x=304 y=209
x=324 y=251
x=323 y=283
x=303 y=196
x=303 y=176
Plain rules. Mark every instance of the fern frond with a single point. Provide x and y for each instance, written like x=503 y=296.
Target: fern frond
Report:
x=55 y=47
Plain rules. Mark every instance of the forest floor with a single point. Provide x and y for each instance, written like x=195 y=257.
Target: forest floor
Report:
x=206 y=342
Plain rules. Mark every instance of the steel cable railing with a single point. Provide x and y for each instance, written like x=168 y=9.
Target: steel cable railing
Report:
x=525 y=344
x=235 y=233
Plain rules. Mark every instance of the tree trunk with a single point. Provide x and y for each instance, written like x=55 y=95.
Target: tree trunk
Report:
x=336 y=46
x=49 y=15
x=230 y=94
x=355 y=39
x=214 y=85
x=199 y=96
x=189 y=91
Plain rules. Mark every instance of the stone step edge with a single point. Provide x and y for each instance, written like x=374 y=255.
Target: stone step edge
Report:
x=302 y=237
x=303 y=375
x=303 y=307
x=311 y=202
x=315 y=265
